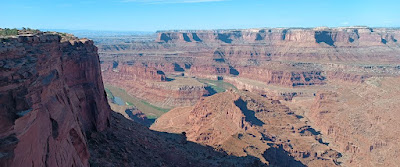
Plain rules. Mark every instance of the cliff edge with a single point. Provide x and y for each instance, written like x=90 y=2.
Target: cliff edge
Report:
x=51 y=94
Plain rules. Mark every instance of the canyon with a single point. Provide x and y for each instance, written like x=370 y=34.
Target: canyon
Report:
x=249 y=97
x=285 y=57
x=54 y=112
x=338 y=88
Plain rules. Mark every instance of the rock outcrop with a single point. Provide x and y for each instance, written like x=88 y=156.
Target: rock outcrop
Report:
x=204 y=121
x=244 y=124
x=51 y=94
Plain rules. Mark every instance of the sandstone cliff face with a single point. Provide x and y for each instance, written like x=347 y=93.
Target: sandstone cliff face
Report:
x=51 y=93
x=132 y=72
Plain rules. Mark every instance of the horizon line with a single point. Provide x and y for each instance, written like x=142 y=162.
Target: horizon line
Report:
x=216 y=29
x=211 y=29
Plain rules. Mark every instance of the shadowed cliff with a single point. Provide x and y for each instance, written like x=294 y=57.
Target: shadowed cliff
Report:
x=128 y=143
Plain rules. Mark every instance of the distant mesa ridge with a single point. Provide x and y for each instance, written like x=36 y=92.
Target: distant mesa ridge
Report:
x=319 y=35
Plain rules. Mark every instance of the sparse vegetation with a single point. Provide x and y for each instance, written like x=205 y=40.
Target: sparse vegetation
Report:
x=8 y=32
x=109 y=94
x=217 y=85
x=30 y=30
x=155 y=107
x=14 y=31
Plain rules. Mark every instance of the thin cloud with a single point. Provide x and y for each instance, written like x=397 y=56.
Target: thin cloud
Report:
x=344 y=23
x=171 y=1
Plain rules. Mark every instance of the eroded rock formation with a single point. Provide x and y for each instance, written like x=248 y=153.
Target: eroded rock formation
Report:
x=245 y=124
x=51 y=94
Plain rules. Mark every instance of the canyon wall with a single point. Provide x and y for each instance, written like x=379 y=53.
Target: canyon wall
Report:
x=51 y=97
x=152 y=85
x=288 y=57
x=305 y=45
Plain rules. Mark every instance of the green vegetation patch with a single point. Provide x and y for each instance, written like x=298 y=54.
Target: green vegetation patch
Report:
x=155 y=107
x=109 y=94
x=8 y=32
x=129 y=104
x=34 y=31
x=217 y=85
x=14 y=31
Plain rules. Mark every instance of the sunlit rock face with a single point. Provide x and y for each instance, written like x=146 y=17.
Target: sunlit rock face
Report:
x=243 y=124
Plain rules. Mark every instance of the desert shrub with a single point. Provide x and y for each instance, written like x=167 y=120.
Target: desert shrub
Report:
x=8 y=32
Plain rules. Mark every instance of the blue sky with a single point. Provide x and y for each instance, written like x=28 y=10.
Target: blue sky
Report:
x=152 y=15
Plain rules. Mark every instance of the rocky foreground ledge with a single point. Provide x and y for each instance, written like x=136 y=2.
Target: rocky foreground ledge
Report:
x=51 y=94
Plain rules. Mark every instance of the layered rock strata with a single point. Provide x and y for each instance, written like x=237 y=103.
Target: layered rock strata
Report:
x=51 y=94
x=288 y=57
x=152 y=85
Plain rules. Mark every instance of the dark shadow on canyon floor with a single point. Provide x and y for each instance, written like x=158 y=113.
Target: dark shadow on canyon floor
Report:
x=250 y=114
x=277 y=156
x=141 y=120
x=210 y=90
x=127 y=143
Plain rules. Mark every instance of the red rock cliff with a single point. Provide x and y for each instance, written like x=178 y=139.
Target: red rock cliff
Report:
x=51 y=93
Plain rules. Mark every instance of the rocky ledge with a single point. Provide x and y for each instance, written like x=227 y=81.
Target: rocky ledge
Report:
x=51 y=94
